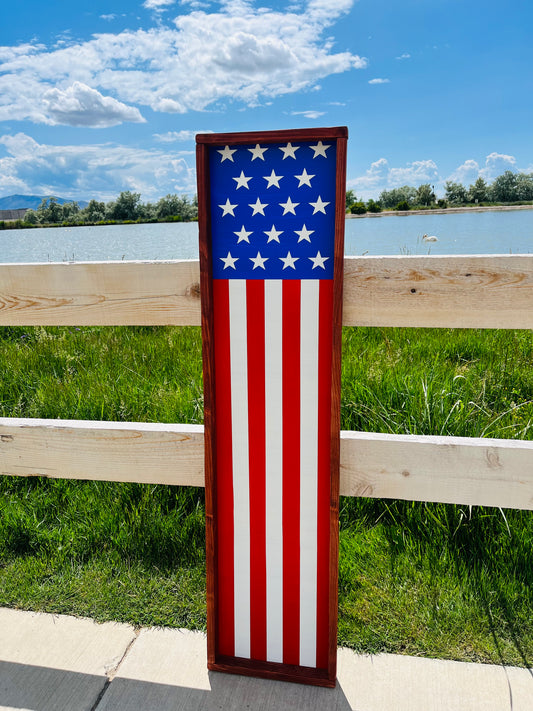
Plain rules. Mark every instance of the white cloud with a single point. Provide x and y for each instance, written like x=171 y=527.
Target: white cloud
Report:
x=157 y=4
x=99 y=171
x=381 y=176
x=496 y=164
x=466 y=174
x=79 y=105
x=379 y=81
x=308 y=114
x=108 y=18
x=237 y=53
x=173 y=136
x=405 y=55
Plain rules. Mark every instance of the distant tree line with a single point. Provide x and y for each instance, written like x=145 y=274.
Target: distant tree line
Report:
x=506 y=188
x=126 y=208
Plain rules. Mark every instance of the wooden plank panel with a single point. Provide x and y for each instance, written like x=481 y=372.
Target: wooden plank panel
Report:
x=447 y=292
x=455 y=470
x=100 y=294
x=460 y=470
x=145 y=453
x=432 y=291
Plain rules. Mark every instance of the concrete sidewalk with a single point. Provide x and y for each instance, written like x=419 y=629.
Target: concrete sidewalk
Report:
x=60 y=663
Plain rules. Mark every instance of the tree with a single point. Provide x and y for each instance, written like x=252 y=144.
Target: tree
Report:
x=479 y=191
x=175 y=206
x=147 y=211
x=455 y=193
x=31 y=217
x=390 y=198
x=425 y=195
x=94 y=212
x=505 y=187
x=70 y=211
x=350 y=199
x=524 y=186
x=49 y=211
x=126 y=206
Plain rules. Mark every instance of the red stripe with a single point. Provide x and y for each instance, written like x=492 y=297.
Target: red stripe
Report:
x=291 y=471
x=255 y=304
x=224 y=464
x=324 y=445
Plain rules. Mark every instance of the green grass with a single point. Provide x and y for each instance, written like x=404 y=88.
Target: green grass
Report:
x=424 y=579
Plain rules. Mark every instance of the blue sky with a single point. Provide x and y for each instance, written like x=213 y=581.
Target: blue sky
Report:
x=103 y=96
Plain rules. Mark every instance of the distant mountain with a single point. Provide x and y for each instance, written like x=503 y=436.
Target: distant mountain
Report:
x=21 y=202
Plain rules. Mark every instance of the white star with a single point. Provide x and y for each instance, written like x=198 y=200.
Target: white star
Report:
x=272 y=179
x=289 y=206
x=259 y=261
x=319 y=205
x=242 y=181
x=227 y=152
x=257 y=152
x=289 y=151
x=229 y=261
x=242 y=235
x=273 y=234
x=228 y=208
x=318 y=261
x=304 y=178
x=320 y=149
x=258 y=206
x=289 y=261
x=304 y=234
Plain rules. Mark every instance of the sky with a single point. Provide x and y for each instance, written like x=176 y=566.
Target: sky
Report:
x=103 y=96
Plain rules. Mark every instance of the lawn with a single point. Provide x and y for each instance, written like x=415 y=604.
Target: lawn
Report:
x=424 y=579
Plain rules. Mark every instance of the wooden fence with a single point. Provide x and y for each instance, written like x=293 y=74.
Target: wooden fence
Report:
x=430 y=291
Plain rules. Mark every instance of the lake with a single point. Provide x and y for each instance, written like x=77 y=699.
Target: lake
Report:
x=458 y=233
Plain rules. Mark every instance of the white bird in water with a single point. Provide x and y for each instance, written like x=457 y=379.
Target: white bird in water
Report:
x=431 y=238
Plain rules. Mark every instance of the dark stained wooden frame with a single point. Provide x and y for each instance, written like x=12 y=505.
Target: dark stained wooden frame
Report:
x=236 y=665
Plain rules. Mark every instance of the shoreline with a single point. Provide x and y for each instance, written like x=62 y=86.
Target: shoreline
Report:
x=441 y=211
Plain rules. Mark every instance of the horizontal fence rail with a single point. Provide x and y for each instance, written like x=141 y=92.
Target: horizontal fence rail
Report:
x=431 y=291
x=457 y=470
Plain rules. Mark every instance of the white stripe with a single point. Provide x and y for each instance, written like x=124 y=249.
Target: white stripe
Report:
x=308 y=469
x=239 y=435
x=274 y=468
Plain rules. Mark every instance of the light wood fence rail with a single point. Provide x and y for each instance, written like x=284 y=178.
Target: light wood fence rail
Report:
x=446 y=292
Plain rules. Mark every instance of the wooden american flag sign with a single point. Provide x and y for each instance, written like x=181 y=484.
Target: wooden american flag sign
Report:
x=271 y=220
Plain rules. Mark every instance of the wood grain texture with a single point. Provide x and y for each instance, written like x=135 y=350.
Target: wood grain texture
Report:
x=447 y=292
x=455 y=470
x=208 y=369
x=442 y=292
x=100 y=294
x=107 y=451
x=335 y=413
x=458 y=470
x=303 y=134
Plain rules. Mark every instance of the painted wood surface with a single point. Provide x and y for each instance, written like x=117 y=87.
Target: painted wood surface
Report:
x=272 y=464
x=460 y=470
x=432 y=291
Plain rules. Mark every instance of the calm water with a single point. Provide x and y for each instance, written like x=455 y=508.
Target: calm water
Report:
x=466 y=233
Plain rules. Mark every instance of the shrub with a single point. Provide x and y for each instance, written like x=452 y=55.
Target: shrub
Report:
x=372 y=206
x=358 y=208
x=403 y=205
